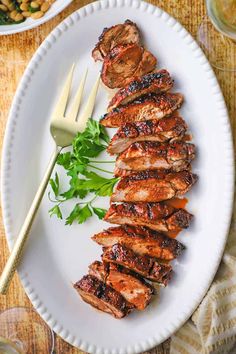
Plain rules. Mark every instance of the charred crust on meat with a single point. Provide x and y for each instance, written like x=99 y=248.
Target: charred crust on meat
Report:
x=149 y=211
x=188 y=177
x=148 y=107
x=146 y=81
x=110 y=298
x=111 y=37
x=156 y=82
x=147 y=127
x=132 y=286
x=144 y=265
x=175 y=156
x=125 y=61
x=166 y=129
x=158 y=216
x=105 y=29
x=135 y=275
x=151 y=242
x=147 y=174
x=138 y=209
x=182 y=218
x=129 y=22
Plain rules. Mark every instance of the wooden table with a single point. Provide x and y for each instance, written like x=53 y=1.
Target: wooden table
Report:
x=15 y=53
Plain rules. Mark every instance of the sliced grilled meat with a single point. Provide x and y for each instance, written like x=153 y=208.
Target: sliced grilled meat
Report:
x=102 y=296
x=125 y=62
x=99 y=270
x=141 y=240
x=125 y=33
x=146 y=266
x=120 y=64
x=157 y=216
x=144 y=108
x=156 y=82
x=151 y=130
x=146 y=65
x=152 y=155
x=129 y=284
x=120 y=172
x=153 y=186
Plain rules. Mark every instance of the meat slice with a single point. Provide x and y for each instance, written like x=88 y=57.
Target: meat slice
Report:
x=157 y=216
x=152 y=155
x=129 y=284
x=146 y=266
x=153 y=186
x=120 y=172
x=124 y=62
x=165 y=129
x=141 y=240
x=102 y=296
x=156 y=82
x=125 y=33
x=144 y=108
x=146 y=65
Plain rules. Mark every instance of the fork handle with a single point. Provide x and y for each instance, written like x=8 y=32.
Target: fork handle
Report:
x=18 y=247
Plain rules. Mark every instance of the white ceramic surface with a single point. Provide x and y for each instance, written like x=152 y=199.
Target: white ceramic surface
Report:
x=29 y=23
x=57 y=255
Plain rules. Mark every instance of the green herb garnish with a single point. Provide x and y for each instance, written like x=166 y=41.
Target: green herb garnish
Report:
x=5 y=19
x=17 y=5
x=82 y=180
x=56 y=211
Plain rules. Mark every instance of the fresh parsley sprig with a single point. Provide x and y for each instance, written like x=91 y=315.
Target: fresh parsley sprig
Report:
x=82 y=214
x=82 y=181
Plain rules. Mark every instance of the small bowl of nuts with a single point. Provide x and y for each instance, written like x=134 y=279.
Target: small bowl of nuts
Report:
x=21 y=15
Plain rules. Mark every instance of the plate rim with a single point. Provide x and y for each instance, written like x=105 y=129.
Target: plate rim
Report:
x=37 y=23
x=6 y=153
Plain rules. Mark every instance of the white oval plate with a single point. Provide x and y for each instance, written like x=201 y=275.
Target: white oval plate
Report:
x=29 y=23
x=57 y=255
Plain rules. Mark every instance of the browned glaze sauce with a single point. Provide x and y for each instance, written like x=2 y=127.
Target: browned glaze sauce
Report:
x=187 y=137
x=177 y=202
x=172 y=234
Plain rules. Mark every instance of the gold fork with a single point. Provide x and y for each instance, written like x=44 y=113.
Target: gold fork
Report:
x=63 y=129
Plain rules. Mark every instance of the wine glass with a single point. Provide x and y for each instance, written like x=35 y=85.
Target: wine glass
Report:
x=22 y=331
x=217 y=34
